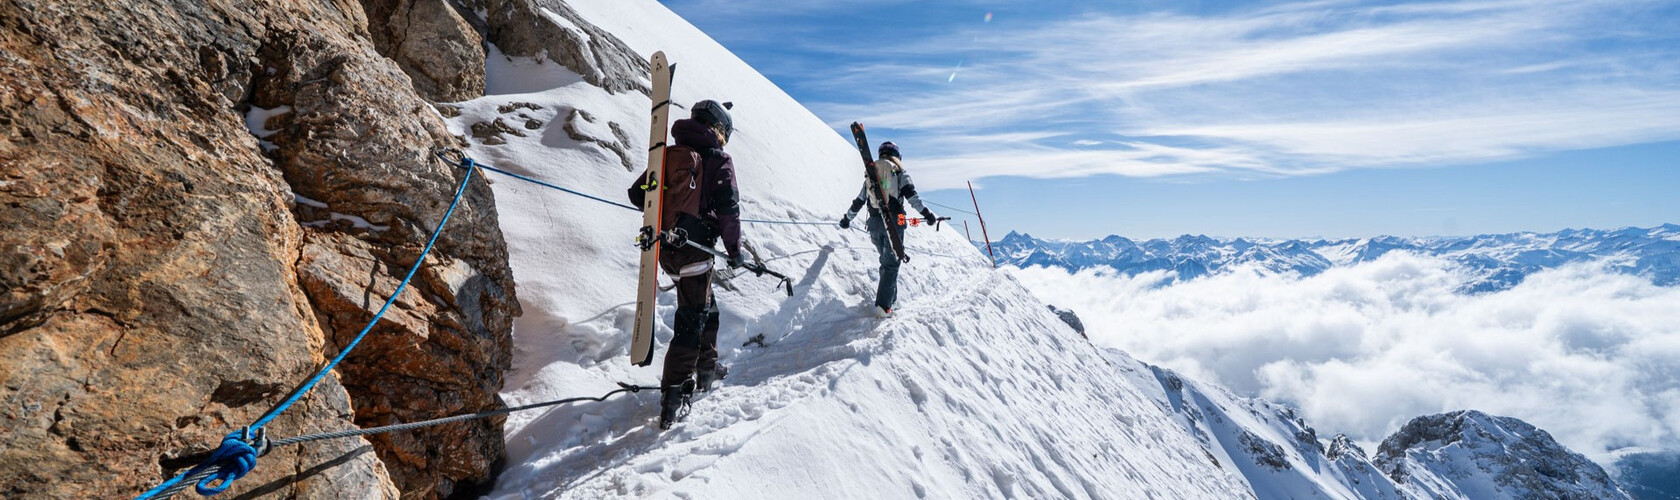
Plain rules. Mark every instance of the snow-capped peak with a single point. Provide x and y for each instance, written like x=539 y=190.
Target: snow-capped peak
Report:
x=1495 y=261
x=1470 y=454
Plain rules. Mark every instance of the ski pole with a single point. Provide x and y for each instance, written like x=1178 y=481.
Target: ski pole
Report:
x=913 y=221
x=937 y=221
x=679 y=238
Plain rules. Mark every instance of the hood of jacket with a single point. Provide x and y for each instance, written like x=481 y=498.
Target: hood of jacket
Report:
x=692 y=133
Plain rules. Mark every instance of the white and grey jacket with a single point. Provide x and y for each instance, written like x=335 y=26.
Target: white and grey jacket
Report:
x=900 y=189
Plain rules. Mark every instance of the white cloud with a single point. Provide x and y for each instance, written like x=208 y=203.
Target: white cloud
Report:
x=1293 y=89
x=1591 y=356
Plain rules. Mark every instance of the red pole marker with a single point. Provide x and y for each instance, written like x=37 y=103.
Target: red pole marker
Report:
x=982 y=224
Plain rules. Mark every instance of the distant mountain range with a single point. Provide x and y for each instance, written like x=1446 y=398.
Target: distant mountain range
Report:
x=1497 y=261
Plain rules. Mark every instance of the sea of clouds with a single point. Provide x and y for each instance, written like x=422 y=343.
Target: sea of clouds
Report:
x=1590 y=355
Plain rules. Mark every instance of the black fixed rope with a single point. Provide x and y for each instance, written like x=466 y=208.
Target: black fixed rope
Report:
x=622 y=388
x=264 y=445
x=614 y=203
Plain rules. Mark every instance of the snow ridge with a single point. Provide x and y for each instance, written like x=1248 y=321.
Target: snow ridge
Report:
x=974 y=389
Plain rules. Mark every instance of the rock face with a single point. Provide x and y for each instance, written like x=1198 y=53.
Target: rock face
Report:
x=527 y=28
x=433 y=44
x=166 y=277
x=1071 y=319
x=1470 y=454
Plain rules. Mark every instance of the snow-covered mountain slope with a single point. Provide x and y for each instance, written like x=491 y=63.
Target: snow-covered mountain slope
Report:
x=1458 y=455
x=1277 y=453
x=1469 y=454
x=974 y=390
x=1497 y=261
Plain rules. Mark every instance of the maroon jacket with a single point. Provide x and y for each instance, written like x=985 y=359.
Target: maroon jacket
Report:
x=721 y=200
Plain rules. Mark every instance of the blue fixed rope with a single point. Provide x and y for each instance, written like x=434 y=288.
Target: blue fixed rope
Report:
x=236 y=457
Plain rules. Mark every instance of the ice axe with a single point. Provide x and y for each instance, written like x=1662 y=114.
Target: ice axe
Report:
x=679 y=238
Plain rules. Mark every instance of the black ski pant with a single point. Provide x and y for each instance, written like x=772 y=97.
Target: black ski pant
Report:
x=694 y=340
x=886 y=294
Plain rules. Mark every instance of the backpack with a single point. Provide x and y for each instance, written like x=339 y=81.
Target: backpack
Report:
x=682 y=203
x=889 y=171
x=680 y=208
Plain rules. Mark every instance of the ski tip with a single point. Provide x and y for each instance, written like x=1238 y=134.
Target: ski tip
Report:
x=857 y=126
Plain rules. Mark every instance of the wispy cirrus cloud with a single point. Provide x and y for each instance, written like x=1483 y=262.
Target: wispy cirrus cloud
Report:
x=1291 y=89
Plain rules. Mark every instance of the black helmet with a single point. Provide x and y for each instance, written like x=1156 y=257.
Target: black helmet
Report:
x=888 y=149
x=714 y=115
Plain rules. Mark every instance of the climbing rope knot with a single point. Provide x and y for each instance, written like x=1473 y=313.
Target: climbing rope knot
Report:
x=233 y=460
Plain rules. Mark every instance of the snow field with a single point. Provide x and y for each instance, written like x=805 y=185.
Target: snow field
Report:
x=973 y=390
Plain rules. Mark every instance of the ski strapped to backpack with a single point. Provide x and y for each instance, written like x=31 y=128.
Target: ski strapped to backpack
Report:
x=647 y=287
x=877 y=193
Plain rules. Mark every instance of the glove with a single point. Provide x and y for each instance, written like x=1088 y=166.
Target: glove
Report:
x=927 y=216
x=737 y=260
x=845 y=222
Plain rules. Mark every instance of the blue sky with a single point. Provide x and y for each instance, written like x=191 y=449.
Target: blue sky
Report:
x=1078 y=119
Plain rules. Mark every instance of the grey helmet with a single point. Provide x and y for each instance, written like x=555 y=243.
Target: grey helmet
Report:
x=714 y=115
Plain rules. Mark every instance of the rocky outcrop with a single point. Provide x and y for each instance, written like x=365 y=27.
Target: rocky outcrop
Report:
x=165 y=277
x=550 y=30
x=1475 y=455
x=434 y=45
x=1072 y=320
x=619 y=145
x=1343 y=446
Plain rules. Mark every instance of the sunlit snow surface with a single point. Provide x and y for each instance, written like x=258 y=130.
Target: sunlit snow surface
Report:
x=973 y=390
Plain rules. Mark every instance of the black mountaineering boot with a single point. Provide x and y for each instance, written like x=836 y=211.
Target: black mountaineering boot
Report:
x=670 y=400
x=706 y=377
x=673 y=404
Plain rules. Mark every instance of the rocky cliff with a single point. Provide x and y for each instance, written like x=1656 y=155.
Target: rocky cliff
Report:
x=200 y=201
x=1470 y=454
